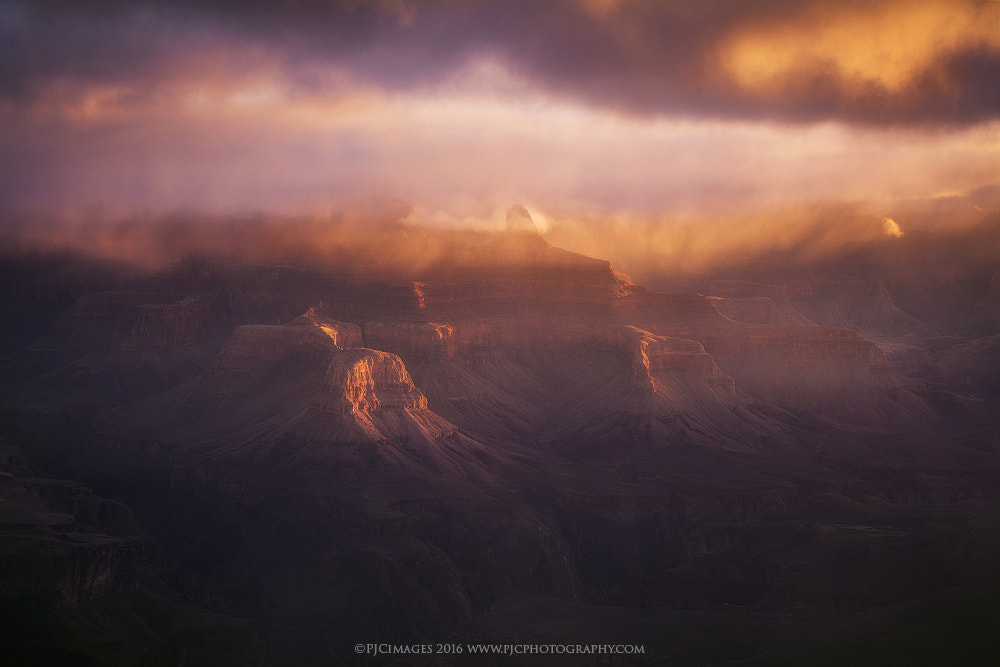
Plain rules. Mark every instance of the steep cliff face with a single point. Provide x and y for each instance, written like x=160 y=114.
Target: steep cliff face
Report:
x=799 y=344
x=853 y=302
x=860 y=303
x=502 y=326
x=361 y=381
x=77 y=499
x=761 y=301
x=653 y=391
x=92 y=320
x=476 y=339
x=343 y=334
x=345 y=381
x=650 y=353
x=133 y=321
x=154 y=326
x=110 y=347
x=54 y=549
x=678 y=315
x=288 y=397
x=820 y=371
x=311 y=336
x=828 y=372
x=521 y=264
x=267 y=342
x=433 y=340
x=974 y=365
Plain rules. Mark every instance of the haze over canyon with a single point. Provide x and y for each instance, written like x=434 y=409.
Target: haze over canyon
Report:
x=245 y=461
x=629 y=322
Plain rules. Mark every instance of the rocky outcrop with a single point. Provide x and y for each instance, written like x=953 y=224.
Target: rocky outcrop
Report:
x=311 y=336
x=340 y=381
x=973 y=365
x=520 y=242
x=802 y=344
x=287 y=397
x=519 y=221
x=133 y=321
x=92 y=320
x=860 y=303
x=761 y=301
x=157 y=326
x=649 y=353
x=269 y=342
x=77 y=499
x=830 y=371
x=444 y=293
x=521 y=264
x=562 y=435
x=344 y=335
x=853 y=302
x=361 y=381
x=54 y=550
x=822 y=371
x=432 y=340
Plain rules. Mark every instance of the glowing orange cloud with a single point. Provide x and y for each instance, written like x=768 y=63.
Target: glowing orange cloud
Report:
x=891 y=228
x=887 y=46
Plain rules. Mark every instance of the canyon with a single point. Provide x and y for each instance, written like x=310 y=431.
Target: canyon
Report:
x=244 y=462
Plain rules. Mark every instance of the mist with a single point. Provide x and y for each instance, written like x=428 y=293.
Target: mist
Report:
x=390 y=237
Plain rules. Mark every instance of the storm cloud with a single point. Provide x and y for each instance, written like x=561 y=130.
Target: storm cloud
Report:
x=628 y=114
x=876 y=63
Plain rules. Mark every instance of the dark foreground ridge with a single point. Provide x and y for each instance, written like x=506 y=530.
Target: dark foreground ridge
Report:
x=228 y=462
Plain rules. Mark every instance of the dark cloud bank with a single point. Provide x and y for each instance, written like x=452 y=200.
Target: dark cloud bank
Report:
x=634 y=56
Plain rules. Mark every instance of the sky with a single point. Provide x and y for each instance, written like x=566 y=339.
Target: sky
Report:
x=595 y=114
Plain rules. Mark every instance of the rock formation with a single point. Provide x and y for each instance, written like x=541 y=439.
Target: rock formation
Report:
x=513 y=442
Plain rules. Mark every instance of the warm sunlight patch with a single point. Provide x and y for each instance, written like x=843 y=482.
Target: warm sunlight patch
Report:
x=891 y=46
x=891 y=228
